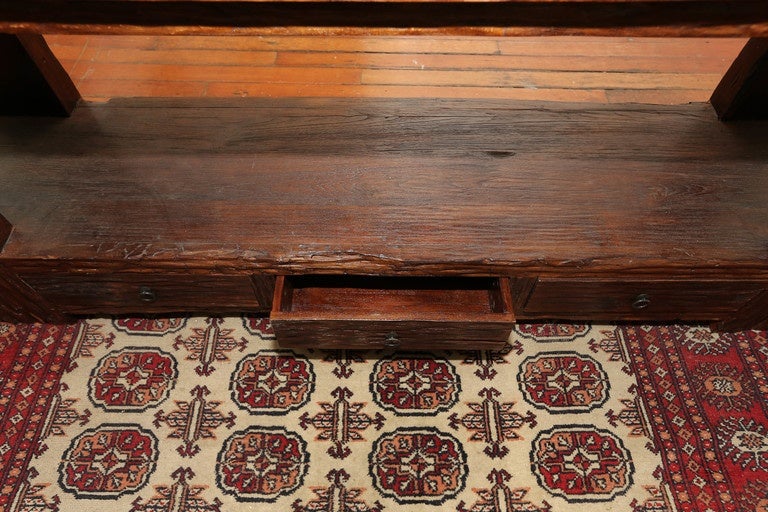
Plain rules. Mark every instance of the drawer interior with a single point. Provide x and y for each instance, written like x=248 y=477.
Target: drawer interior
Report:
x=402 y=296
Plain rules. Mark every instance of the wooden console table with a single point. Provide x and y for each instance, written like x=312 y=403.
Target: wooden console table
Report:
x=361 y=222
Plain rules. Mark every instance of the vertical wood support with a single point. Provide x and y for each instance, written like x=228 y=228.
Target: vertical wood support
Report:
x=522 y=287
x=20 y=303
x=743 y=91
x=753 y=315
x=5 y=230
x=32 y=80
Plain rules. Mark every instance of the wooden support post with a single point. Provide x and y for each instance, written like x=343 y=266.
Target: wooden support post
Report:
x=20 y=303
x=5 y=230
x=32 y=80
x=753 y=315
x=743 y=91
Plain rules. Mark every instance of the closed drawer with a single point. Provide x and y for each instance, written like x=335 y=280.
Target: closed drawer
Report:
x=125 y=293
x=399 y=312
x=661 y=300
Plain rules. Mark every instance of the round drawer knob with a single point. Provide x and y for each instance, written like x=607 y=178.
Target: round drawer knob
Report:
x=147 y=294
x=392 y=340
x=642 y=301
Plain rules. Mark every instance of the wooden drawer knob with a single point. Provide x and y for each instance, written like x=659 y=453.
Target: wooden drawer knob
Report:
x=147 y=294
x=392 y=340
x=642 y=301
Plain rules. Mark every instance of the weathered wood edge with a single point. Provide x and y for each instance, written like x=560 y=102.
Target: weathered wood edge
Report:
x=743 y=91
x=651 y=18
x=682 y=271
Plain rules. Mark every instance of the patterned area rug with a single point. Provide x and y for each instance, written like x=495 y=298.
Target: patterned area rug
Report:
x=208 y=414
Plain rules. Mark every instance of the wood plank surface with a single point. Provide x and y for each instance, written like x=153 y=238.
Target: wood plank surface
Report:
x=388 y=186
x=227 y=17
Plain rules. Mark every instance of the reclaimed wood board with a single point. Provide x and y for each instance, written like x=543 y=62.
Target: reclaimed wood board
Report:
x=388 y=186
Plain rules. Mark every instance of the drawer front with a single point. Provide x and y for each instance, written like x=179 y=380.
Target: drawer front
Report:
x=594 y=299
x=377 y=334
x=416 y=313
x=126 y=293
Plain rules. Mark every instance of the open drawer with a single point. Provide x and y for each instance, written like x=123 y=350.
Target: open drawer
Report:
x=415 y=313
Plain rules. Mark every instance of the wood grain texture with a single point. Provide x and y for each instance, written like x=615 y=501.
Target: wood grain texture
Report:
x=398 y=186
x=32 y=81
x=743 y=91
x=146 y=292
x=159 y=66
x=638 y=299
x=335 y=334
x=264 y=289
x=644 y=18
x=20 y=303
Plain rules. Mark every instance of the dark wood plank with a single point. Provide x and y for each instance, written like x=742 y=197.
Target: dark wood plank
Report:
x=743 y=91
x=264 y=289
x=146 y=292
x=638 y=299
x=391 y=186
x=32 y=81
x=650 y=17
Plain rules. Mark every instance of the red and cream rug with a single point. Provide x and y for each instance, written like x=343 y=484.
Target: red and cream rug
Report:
x=208 y=414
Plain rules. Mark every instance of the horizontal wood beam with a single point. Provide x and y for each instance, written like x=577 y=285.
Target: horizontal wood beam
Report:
x=708 y=18
x=743 y=91
x=388 y=186
x=32 y=81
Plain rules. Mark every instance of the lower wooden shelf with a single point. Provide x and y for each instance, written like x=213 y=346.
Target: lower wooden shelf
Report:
x=594 y=212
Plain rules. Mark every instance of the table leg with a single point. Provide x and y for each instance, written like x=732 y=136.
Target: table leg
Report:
x=743 y=91
x=32 y=80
